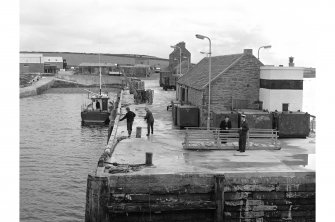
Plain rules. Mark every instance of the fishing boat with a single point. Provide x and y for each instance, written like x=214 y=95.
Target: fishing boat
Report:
x=97 y=112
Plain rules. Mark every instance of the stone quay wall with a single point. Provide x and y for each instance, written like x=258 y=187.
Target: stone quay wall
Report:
x=252 y=197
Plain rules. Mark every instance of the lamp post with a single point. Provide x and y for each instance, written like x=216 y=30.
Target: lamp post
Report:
x=175 y=46
x=209 y=77
x=265 y=47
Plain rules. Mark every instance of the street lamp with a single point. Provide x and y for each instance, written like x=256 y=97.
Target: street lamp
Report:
x=175 y=46
x=209 y=77
x=265 y=47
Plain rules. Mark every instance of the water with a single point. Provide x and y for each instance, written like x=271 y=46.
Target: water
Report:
x=56 y=155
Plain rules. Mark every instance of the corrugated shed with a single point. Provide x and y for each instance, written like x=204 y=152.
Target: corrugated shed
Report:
x=31 y=58
x=52 y=59
x=197 y=77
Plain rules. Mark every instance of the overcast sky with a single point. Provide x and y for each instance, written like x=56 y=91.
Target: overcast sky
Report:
x=150 y=27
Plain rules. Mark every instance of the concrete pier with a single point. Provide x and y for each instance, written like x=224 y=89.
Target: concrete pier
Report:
x=186 y=185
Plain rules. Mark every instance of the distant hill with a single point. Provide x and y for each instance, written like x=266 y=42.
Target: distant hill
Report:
x=75 y=58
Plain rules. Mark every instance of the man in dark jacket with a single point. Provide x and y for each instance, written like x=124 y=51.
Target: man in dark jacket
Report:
x=224 y=126
x=130 y=120
x=150 y=121
x=243 y=134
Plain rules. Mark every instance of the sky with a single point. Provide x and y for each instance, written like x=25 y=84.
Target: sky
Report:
x=150 y=27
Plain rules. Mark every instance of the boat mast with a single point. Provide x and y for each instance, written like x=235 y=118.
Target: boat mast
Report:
x=100 y=73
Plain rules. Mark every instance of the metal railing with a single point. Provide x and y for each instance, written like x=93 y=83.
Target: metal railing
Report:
x=215 y=138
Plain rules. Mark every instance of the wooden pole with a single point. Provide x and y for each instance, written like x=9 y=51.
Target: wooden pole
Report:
x=97 y=199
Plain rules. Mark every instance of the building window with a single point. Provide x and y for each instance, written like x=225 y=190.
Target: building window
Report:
x=285 y=107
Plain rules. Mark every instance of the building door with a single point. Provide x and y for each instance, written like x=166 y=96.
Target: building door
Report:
x=285 y=107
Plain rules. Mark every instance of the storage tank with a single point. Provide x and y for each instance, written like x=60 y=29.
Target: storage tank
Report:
x=219 y=117
x=257 y=119
x=187 y=116
x=293 y=124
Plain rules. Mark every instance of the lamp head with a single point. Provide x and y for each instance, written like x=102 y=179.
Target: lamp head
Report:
x=173 y=46
x=267 y=46
x=199 y=36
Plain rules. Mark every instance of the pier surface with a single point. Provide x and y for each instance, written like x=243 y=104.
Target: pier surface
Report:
x=296 y=155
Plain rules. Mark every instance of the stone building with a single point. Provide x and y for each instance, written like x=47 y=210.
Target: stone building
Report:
x=184 y=68
x=174 y=57
x=235 y=82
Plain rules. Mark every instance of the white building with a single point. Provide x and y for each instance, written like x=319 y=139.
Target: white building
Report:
x=281 y=88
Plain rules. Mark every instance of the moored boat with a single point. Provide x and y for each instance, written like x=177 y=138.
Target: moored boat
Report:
x=99 y=110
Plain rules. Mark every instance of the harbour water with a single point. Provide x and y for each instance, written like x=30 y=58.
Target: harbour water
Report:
x=56 y=155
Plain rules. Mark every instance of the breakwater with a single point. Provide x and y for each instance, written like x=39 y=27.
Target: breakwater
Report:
x=70 y=81
x=37 y=88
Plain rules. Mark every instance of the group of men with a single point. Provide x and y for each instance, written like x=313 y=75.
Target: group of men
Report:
x=243 y=131
x=130 y=115
x=224 y=126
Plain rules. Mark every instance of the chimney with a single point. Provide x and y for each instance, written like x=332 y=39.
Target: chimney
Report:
x=181 y=44
x=247 y=51
x=290 y=59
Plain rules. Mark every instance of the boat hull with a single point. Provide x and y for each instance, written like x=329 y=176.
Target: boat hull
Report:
x=95 y=118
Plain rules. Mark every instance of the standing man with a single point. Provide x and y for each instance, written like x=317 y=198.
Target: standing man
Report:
x=150 y=121
x=224 y=126
x=243 y=131
x=130 y=120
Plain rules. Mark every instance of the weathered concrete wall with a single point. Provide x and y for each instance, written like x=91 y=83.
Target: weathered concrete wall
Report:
x=269 y=198
x=203 y=197
x=38 y=87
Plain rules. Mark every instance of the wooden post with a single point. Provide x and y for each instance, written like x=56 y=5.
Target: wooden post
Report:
x=97 y=199
x=219 y=197
x=138 y=132
x=148 y=159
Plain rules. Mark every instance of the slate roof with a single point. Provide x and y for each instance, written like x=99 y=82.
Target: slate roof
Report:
x=197 y=77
